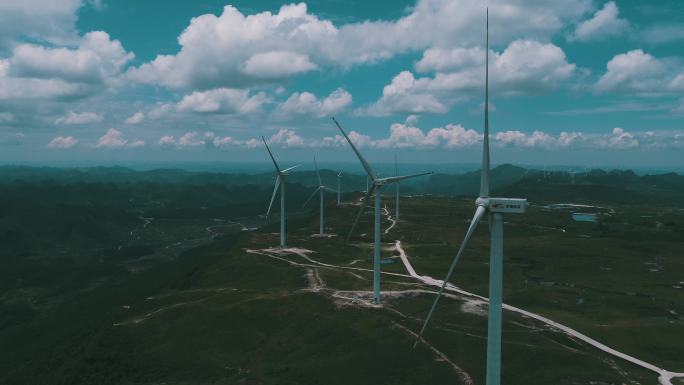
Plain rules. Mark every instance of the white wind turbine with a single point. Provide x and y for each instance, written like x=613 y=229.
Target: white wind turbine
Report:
x=321 y=189
x=376 y=186
x=339 y=186
x=572 y=176
x=494 y=208
x=280 y=181
x=396 y=173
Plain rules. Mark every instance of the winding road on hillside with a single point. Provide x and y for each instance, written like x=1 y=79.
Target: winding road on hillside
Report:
x=664 y=376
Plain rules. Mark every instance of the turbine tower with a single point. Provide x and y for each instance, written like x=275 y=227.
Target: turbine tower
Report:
x=320 y=189
x=376 y=186
x=494 y=208
x=396 y=173
x=339 y=186
x=572 y=176
x=280 y=181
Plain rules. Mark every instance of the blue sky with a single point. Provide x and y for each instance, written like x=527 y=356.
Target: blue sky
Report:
x=582 y=82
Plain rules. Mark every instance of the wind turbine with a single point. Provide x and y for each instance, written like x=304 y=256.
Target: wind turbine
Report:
x=396 y=173
x=494 y=208
x=320 y=189
x=376 y=186
x=280 y=181
x=572 y=176
x=339 y=186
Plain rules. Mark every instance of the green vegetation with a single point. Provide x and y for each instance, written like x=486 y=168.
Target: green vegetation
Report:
x=111 y=276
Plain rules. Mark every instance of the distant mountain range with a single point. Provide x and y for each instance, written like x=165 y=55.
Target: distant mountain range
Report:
x=594 y=186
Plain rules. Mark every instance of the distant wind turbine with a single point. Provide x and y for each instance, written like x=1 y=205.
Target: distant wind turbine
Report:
x=572 y=176
x=321 y=189
x=376 y=186
x=280 y=181
x=339 y=186
x=396 y=173
x=494 y=207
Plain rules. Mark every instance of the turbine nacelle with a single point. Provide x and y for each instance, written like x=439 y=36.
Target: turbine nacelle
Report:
x=286 y=172
x=503 y=205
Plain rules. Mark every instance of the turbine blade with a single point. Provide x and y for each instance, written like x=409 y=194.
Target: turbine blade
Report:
x=291 y=168
x=328 y=189
x=365 y=164
x=479 y=213
x=339 y=175
x=393 y=179
x=275 y=190
x=363 y=207
x=271 y=154
x=318 y=174
x=313 y=194
x=484 y=172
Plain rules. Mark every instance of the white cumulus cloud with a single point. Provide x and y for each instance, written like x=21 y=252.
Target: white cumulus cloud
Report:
x=79 y=118
x=191 y=139
x=114 y=139
x=62 y=72
x=524 y=67
x=167 y=140
x=406 y=94
x=277 y=64
x=605 y=23
x=96 y=59
x=447 y=137
x=619 y=139
x=208 y=139
x=306 y=103
x=14 y=89
x=287 y=138
x=136 y=118
x=234 y=49
x=638 y=72
x=51 y=21
x=453 y=136
x=448 y=60
x=222 y=100
x=63 y=142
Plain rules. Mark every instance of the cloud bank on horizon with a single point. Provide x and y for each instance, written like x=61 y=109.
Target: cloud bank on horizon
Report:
x=582 y=75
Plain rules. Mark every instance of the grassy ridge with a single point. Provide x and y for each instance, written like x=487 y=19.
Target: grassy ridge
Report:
x=92 y=293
